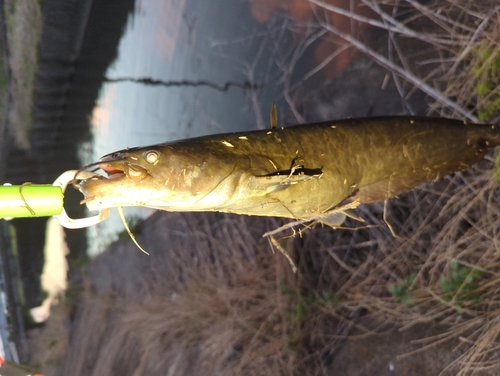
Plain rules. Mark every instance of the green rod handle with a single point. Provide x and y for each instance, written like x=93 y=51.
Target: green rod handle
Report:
x=30 y=200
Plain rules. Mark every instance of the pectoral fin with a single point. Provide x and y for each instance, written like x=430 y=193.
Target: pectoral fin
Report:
x=336 y=218
x=333 y=220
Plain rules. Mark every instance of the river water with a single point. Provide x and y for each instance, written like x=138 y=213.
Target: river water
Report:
x=185 y=68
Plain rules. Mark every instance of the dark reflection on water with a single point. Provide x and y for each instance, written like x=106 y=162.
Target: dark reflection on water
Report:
x=79 y=41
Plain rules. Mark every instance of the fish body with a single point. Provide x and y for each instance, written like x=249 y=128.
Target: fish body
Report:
x=298 y=172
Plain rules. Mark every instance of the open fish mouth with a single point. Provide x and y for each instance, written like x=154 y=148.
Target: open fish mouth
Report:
x=101 y=181
x=122 y=169
x=122 y=165
x=113 y=165
x=113 y=168
x=112 y=172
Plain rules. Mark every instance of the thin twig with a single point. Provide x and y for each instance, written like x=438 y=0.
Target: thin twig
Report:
x=408 y=76
x=394 y=25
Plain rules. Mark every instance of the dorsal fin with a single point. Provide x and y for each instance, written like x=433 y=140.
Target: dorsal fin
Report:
x=274 y=116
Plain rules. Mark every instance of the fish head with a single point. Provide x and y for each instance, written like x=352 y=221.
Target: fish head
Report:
x=130 y=177
x=135 y=164
x=174 y=177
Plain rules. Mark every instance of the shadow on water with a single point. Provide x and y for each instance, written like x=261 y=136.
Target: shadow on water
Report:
x=79 y=41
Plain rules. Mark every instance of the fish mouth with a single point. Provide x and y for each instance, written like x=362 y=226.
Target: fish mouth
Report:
x=112 y=172
x=123 y=170
x=113 y=165
x=102 y=182
x=112 y=169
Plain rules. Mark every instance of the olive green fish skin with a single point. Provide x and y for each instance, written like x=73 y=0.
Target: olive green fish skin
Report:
x=297 y=172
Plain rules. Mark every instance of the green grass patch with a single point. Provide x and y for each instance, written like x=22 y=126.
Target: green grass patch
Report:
x=487 y=73
x=300 y=309
x=404 y=292
x=460 y=285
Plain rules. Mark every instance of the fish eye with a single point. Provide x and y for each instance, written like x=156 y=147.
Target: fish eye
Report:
x=151 y=156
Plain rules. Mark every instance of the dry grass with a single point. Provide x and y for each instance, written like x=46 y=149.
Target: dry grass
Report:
x=211 y=304
x=471 y=75
x=447 y=49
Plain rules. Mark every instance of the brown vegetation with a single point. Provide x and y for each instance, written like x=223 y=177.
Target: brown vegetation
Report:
x=332 y=52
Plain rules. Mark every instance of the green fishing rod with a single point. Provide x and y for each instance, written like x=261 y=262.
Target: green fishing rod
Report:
x=30 y=200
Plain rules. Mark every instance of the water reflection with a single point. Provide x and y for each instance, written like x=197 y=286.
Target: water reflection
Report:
x=55 y=268
x=67 y=80
x=182 y=70
x=172 y=42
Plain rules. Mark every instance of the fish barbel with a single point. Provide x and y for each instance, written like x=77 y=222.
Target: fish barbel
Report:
x=298 y=172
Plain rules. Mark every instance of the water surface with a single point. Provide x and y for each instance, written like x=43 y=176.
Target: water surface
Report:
x=184 y=68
